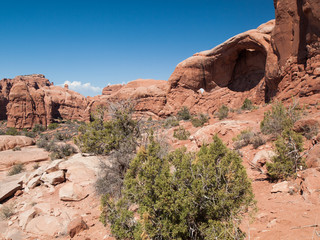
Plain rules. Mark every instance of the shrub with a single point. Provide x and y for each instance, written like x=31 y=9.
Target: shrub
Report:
x=247 y=137
x=247 y=104
x=30 y=134
x=7 y=211
x=171 y=122
x=223 y=112
x=17 y=148
x=42 y=142
x=2 y=132
x=61 y=151
x=53 y=126
x=101 y=137
x=118 y=138
x=288 y=159
x=203 y=198
x=38 y=128
x=12 y=131
x=184 y=114
x=279 y=119
x=258 y=141
x=199 y=121
x=36 y=166
x=61 y=136
x=16 y=169
x=181 y=133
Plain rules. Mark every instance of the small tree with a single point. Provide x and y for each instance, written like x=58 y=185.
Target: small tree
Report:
x=181 y=133
x=279 y=119
x=223 y=112
x=181 y=196
x=200 y=120
x=288 y=159
x=247 y=104
x=118 y=138
x=184 y=114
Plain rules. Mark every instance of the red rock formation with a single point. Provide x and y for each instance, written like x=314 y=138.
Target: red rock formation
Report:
x=149 y=94
x=293 y=64
x=279 y=59
x=32 y=99
x=228 y=74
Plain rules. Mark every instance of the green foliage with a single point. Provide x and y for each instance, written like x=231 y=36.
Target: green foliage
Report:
x=288 y=159
x=2 y=132
x=38 y=128
x=12 y=131
x=279 y=119
x=58 y=151
x=53 y=126
x=199 y=121
x=62 y=136
x=171 y=122
x=181 y=133
x=182 y=195
x=61 y=151
x=247 y=104
x=101 y=137
x=184 y=114
x=118 y=138
x=223 y=112
x=30 y=134
x=16 y=169
x=7 y=211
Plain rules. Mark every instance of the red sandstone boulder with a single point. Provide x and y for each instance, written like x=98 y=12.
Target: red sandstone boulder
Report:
x=76 y=225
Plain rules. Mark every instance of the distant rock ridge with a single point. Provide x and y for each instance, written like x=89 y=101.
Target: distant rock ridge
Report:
x=278 y=60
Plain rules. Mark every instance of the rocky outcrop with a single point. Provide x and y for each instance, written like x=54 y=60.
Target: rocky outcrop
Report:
x=149 y=94
x=227 y=74
x=293 y=61
x=10 y=142
x=279 y=59
x=9 y=186
x=32 y=99
x=29 y=100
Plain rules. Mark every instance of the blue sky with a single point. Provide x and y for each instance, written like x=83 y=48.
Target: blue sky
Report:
x=94 y=43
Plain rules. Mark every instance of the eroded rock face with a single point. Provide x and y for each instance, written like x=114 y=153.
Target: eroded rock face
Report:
x=32 y=99
x=294 y=56
x=228 y=73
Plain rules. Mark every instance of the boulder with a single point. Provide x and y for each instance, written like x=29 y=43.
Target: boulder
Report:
x=311 y=181
x=9 y=142
x=280 y=187
x=33 y=182
x=26 y=216
x=53 y=178
x=53 y=166
x=225 y=129
x=313 y=157
x=44 y=225
x=262 y=157
x=72 y=192
x=76 y=225
x=26 y=155
x=9 y=186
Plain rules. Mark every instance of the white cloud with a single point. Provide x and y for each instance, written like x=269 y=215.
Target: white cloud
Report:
x=84 y=88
